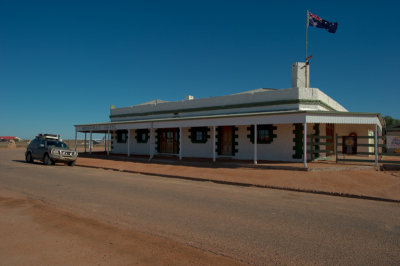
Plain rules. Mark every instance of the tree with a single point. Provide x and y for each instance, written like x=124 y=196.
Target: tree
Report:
x=390 y=121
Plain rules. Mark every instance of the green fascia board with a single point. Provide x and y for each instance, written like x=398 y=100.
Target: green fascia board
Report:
x=232 y=106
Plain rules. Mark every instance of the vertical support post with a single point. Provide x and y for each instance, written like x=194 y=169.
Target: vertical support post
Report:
x=376 y=146
x=85 y=142
x=76 y=139
x=214 y=133
x=151 y=147
x=90 y=143
x=105 y=142
x=129 y=141
x=336 y=149
x=255 y=143
x=180 y=143
x=108 y=142
x=305 y=145
x=312 y=147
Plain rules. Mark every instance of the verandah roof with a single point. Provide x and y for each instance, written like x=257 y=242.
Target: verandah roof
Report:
x=284 y=117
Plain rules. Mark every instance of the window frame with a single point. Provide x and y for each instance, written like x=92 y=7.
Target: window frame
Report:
x=194 y=131
x=122 y=136
x=268 y=138
x=139 y=135
x=266 y=135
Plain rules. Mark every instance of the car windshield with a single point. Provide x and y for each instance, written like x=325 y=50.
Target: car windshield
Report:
x=57 y=143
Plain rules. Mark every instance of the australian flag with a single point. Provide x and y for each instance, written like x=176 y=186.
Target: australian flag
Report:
x=315 y=21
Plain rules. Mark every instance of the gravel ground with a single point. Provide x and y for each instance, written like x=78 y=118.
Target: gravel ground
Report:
x=34 y=233
x=367 y=183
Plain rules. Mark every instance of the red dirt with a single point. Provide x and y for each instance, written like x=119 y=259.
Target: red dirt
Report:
x=371 y=183
x=33 y=233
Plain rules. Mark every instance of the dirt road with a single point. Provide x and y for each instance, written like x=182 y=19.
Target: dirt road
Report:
x=34 y=233
x=153 y=220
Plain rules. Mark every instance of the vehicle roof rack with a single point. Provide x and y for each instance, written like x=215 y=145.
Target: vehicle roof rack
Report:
x=49 y=136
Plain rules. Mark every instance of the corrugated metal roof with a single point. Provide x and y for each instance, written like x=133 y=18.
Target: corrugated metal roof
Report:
x=309 y=117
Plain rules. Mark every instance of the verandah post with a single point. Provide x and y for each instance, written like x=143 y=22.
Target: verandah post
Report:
x=312 y=147
x=214 y=144
x=108 y=142
x=305 y=145
x=255 y=143
x=76 y=138
x=180 y=143
x=376 y=146
x=336 y=148
x=129 y=140
x=151 y=147
x=90 y=143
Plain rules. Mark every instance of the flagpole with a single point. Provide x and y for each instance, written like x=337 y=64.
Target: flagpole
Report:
x=305 y=58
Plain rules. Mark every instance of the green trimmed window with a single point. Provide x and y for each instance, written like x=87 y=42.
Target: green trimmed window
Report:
x=265 y=134
x=142 y=135
x=298 y=141
x=122 y=136
x=199 y=134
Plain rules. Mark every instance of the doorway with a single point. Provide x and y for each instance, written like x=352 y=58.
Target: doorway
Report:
x=226 y=140
x=330 y=146
x=169 y=140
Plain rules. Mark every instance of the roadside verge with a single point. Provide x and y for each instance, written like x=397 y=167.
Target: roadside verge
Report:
x=362 y=184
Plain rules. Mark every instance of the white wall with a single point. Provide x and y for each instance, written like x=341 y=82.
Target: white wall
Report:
x=281 y=148
x=197 y=150
x=139 y=148
x=118 y=148
x=134 y=147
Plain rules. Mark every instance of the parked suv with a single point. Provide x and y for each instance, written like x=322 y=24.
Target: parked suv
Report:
x=49 y=149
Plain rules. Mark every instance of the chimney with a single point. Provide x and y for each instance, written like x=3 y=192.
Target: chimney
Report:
x=300 y=75
x=189 y=98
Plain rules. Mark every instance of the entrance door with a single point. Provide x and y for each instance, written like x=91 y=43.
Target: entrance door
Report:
x=226 y=140
x=330 y=146
x=169 y=138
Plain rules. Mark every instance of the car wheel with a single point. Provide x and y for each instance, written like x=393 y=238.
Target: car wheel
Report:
x=47 y=160
x=28 y=158
x=71 y=163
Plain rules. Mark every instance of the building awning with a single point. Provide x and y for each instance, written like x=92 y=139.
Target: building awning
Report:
x=284 y=117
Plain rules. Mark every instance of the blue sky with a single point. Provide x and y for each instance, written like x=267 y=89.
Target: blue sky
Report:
x=65 y=62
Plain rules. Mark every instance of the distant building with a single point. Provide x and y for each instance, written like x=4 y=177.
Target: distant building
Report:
x=393 y=139
x=227 y=126
x=8 y=138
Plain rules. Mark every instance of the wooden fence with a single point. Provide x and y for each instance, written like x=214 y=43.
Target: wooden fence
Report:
x=344 y=152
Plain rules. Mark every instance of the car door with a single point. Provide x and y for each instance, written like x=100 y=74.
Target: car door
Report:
x=33 y=147
x=39 y=149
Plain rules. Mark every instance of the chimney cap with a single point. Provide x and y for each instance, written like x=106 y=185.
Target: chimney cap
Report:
x=189 y=97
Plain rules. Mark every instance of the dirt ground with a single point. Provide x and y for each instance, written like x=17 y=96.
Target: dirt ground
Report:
x=367 y=183
x=33 y=233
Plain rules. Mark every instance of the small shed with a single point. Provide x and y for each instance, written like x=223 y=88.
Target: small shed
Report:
x=393 y=139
